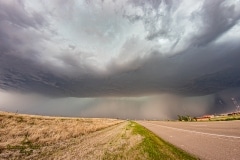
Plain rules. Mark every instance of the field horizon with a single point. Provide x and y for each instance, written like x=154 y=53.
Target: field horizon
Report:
x=24 y=136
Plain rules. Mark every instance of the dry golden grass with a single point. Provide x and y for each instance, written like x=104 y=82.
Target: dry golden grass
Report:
x=116 y=142
x=18 y=131
x=37 y=137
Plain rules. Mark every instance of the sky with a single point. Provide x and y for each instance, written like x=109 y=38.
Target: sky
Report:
x=119 y=58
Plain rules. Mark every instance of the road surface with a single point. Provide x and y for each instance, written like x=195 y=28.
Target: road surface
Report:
x=206 y=140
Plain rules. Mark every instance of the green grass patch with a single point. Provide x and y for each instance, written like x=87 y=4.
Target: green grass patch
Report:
x=157 y=148
x=26 y=147
x=226 y=118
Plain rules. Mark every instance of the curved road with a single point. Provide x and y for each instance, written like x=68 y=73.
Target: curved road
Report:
x=206 y=140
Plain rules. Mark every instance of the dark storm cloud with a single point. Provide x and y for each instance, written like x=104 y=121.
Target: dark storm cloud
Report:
x=33 y=60
x=195 y=72
x=18 y=35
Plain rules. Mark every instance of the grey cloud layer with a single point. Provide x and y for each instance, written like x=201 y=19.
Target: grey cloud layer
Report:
x=217 y=20
x=35 y=58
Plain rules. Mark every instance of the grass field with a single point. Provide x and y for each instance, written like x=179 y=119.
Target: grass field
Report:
x=22 y=134
x=42 y=137
x=225 y=118
x=157 y=148
x=147 y=146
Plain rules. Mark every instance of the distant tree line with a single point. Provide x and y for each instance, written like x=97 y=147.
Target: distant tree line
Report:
x=186 y=118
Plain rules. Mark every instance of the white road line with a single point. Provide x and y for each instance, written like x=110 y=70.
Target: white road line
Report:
x=210 y=134
x=200 y=125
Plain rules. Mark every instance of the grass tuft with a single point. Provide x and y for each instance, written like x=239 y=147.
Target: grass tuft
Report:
x=26 y=147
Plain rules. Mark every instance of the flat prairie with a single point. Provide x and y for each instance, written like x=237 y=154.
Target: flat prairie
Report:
x=32 y=136
x=41 y=137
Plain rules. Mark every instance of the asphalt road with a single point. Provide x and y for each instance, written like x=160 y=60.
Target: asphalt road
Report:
x=206 y=140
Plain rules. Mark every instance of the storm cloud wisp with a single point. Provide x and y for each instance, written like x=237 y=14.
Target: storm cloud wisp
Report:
x=119 y=48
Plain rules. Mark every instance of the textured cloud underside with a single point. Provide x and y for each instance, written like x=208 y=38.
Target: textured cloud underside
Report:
x=119 y=48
